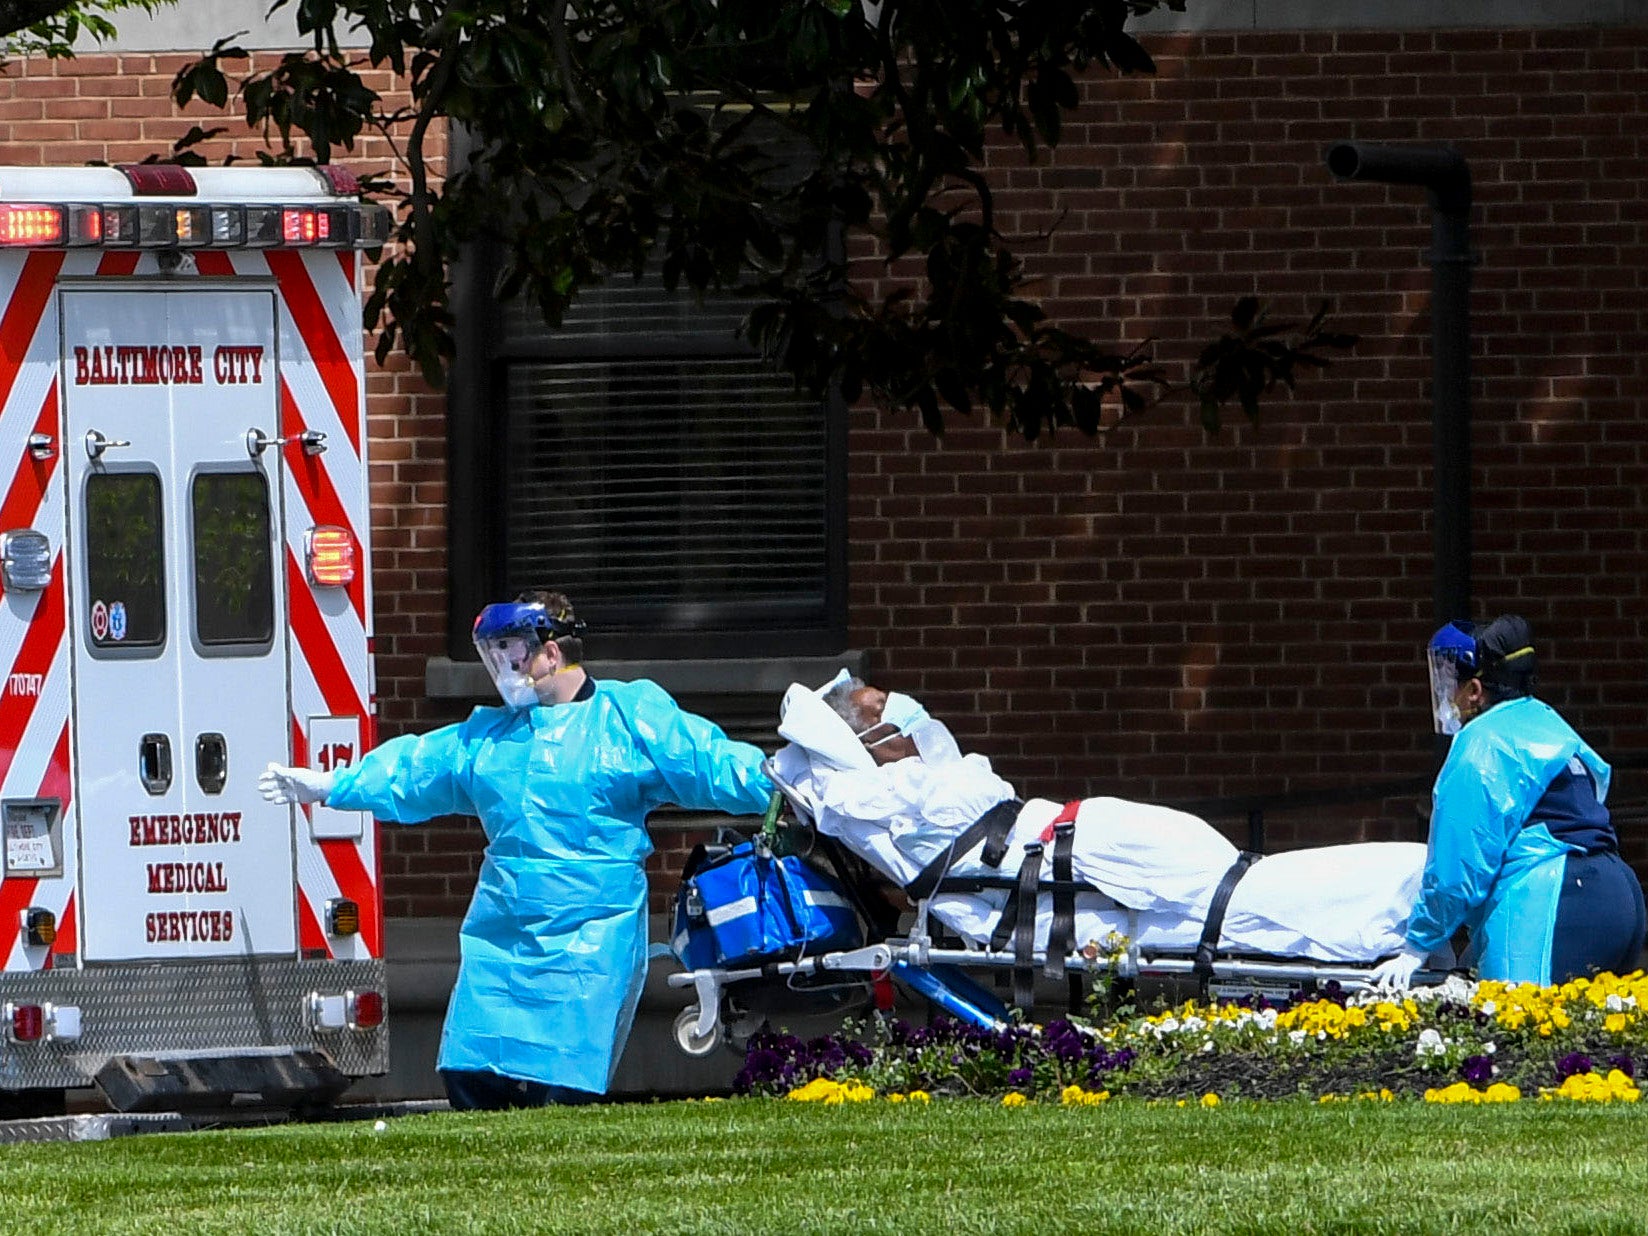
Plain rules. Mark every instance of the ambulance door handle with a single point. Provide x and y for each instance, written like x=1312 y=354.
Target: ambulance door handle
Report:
x=96 y=444
x=211 y=762
x=154 y=763
x=313 y=441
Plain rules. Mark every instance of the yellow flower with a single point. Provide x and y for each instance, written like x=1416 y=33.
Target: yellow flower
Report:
x=1591 y=1088
x=1615 y=1023
x=823 y=1090
x=1014 y=1099
x=895 y=1097
x=1210 y=1100
x=920 y=1096
x=1463 y=1092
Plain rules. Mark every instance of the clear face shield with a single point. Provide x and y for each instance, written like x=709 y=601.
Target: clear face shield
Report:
x=508 y=655
x=1445 y=680
x=1451 y=659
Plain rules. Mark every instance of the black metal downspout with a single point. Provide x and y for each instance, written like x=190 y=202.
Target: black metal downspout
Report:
x=1446 y=177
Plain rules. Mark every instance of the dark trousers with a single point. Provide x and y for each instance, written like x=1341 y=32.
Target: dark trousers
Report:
x=1600 y=919
x=471 y=1090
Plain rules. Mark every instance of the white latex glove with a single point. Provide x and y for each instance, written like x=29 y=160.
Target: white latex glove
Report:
x=280 y=784
x=1397 y=973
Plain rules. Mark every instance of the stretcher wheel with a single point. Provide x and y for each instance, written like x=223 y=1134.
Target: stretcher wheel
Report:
x=688 y=1041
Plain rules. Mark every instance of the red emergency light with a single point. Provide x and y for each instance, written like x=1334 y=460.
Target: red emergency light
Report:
x=22 y=224
x=305 y=226
x=331 y=554
x=28 y=1023
x=366 y=1009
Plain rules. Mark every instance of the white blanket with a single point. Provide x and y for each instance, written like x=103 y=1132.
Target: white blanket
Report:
x=1157 y=868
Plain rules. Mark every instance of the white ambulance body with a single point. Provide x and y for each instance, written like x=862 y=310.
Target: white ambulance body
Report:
x=184 y=597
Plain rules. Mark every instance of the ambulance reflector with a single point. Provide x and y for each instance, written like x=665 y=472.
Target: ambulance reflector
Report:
x=63 y=1020
x=25 y=560
x=326 y=1012
x=342 y=917
x=39 y=927
x=22 y=224
x=25 y=1023
x=365 y=1009
x=331 y=554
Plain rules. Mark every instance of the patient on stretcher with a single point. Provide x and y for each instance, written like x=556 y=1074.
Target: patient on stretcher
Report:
x=898 y=793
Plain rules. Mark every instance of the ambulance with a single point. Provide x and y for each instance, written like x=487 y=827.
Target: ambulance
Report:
x=184 y=597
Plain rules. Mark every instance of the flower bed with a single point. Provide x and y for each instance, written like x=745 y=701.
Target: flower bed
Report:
x=1460 y=1042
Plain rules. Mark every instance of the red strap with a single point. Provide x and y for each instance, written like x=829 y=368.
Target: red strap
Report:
x=1066 y=815
x=881 y=985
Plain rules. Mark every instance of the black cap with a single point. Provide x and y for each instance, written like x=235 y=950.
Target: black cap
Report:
x=1505 y=651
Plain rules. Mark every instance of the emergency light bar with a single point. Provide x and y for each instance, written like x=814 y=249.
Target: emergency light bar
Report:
x=42 y=225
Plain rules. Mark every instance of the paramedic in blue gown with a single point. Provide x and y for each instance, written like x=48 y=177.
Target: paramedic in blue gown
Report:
x=1522 y=851
x=562 y=776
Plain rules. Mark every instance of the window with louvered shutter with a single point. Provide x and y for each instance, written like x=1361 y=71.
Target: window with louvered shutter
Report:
x=654 y=468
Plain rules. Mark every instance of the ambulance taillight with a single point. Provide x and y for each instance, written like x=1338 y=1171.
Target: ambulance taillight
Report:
x=25 y=1023
x=23 y=224
x=331 y=554
x=365 y=1009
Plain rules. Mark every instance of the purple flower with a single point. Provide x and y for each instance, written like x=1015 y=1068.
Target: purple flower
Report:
x=1574 y=1062
x=1624 y=1065
x=1476 y=1069
x=1020 y=1077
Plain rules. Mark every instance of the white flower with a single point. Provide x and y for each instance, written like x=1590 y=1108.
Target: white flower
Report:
x=1296 y=1037
x=1168 y=1026
x=1490 y=1007
x=1430 y=1043
x=1207 y=1046
x=1488 y=1049
x=1193 y=1023
x=1613 y=1003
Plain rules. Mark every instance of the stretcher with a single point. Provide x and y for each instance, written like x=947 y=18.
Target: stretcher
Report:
x=1003 y=903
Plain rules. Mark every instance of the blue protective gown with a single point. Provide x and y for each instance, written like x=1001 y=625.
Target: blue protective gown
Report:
x=1491 y=866
x=554 y=947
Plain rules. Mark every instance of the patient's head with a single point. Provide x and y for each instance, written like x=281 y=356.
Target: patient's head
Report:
x=860 y=706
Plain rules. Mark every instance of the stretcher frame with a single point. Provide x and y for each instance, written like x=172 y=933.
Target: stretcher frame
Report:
x=914 y=953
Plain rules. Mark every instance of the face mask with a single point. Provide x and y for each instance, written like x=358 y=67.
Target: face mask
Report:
x=518 y=692
x=900 y=712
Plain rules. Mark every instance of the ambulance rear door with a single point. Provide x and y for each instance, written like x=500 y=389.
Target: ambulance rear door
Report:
x=180 y=683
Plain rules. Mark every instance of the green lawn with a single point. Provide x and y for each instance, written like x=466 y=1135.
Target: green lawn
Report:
x=770 y=1166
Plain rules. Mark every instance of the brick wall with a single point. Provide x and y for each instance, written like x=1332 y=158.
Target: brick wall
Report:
x=1159 y=613
x=1162 y=614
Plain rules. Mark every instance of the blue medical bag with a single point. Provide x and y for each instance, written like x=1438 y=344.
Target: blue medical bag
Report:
x=744 y=905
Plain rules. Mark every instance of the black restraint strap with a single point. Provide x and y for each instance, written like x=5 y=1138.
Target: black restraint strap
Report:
x=1061 y=937
x=1024 y=929
x=992 y=828
x=1211 y=929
